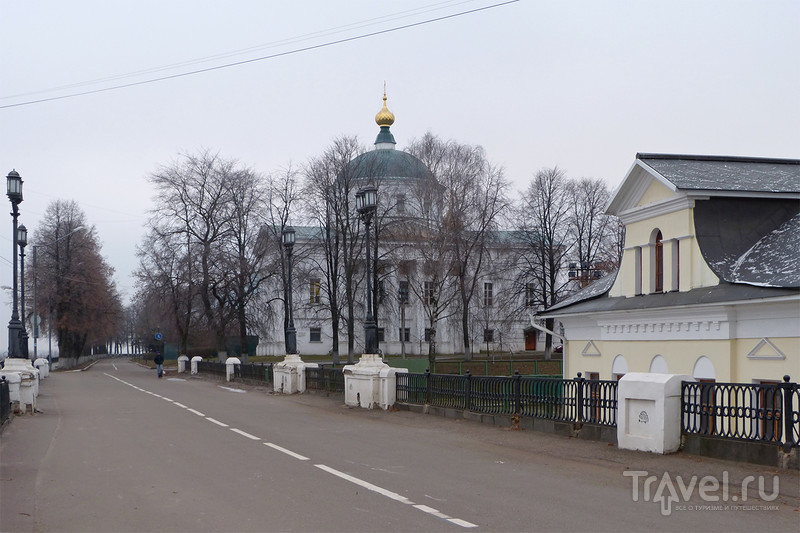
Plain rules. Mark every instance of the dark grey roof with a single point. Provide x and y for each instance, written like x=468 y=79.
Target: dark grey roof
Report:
x=718 y=294
x=598 y=288
x=719 y=173
x=750 y=240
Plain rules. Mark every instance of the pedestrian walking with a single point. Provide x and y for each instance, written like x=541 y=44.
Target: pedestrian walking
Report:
x=159 y=361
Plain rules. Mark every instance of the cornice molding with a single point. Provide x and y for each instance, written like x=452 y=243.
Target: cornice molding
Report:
x=664 y=207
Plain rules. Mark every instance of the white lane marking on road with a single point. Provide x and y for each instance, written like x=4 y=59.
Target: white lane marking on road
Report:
x=175 y=379
x=198 y=413
x=231 y=389
x=431 y=510
x=287 y=452
x=180 y=405
x=397 y=497
x=462 y=523
x=156 y=395
x=369 y=486
x=167 y=399
x=217 y=422
x=244 y=434
x=115 y=366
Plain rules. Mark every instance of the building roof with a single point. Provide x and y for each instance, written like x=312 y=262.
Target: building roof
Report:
x=385 y=163
x=718 y=294
x=750 y=240
x=747 y=224
x=725 y=173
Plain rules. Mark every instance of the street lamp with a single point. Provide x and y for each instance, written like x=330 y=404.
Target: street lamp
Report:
x=22 y=240
x=290 y=334
x=366 y=204
x=14 y=192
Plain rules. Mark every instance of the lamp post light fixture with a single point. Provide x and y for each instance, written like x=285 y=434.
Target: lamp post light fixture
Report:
x=290 y=333
x=366 y=204
x=14 y=192
x=22 y=241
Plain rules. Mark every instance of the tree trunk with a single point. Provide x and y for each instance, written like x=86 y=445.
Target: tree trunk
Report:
x=465 y=332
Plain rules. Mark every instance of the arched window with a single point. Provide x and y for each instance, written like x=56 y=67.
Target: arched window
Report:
x=659 y=365
x=619 y=367
x=659 y=263
x=704 y=369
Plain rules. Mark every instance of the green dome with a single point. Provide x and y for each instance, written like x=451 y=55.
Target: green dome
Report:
x=381 y=164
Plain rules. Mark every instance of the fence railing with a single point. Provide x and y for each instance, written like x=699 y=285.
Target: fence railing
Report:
x=254 y=372
x=571 y=400
x=489 y=367
x=742 y=411
x=5 y=400
x=325 y=378
x=212 y=367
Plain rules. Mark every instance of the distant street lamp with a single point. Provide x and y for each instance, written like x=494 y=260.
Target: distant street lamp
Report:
x=366 y=204
x=290 y=333
x=22 y=240
x=14 y=192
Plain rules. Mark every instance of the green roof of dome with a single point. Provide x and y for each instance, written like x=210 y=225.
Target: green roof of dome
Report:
x=389 y=164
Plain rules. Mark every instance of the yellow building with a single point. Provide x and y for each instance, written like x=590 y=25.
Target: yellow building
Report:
x=709 y=282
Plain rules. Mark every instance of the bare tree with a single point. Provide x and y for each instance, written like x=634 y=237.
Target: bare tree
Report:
x=593 y=232
x=474 y=195
x=544 y=226
x=211 y=207
x=75 y=285
x=247 y=254
x=165 y=283
x=283 y=195
x=330 y=180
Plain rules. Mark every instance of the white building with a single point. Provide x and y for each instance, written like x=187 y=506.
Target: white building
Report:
x=408 y=194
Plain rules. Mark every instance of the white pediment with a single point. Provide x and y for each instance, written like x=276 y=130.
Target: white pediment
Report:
x=765 y=349
x=639 y=179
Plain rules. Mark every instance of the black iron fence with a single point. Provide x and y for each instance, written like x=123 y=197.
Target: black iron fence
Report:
x=762 y=412
x=251 y=372
x=212 y=367
x=254 y=372
x=5 y=400
x=325 y=378
x=570 y=400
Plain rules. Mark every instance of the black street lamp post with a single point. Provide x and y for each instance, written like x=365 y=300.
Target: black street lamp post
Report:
x=22 y=241
x=290 y=334
x=366 y=203
x=14 y=192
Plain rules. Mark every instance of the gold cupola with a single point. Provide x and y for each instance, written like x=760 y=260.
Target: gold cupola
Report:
x=384 y=116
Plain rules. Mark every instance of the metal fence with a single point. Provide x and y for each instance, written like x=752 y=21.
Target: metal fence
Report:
x=254 y=372
x=5 y=400
x=752 y=412
x=251 y=372
x=325 y=378
x=211 y=367
x=569 y=400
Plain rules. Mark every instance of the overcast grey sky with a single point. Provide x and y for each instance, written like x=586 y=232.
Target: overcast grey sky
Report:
x=582 y=84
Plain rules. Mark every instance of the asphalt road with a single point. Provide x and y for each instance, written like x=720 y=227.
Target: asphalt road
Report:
x=116 y=449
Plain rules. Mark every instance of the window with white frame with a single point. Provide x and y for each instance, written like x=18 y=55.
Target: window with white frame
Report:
x=314 y=287
x=428 y=293
x=488 y=294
